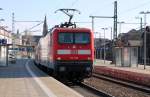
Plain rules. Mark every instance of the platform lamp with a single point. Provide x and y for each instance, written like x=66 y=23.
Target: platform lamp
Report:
x=141 y=31
x=1 y=9
x=104 y=44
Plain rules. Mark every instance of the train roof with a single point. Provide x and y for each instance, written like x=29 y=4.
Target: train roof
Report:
x=72 y=29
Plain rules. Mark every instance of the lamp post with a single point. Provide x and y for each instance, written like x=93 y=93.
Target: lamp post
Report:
x=141 y=26
x=99 y=44
x=120 y=25
x=111 y=33
x=141 y=22
x=104 y=44
x=145 y=56
x=2 y=20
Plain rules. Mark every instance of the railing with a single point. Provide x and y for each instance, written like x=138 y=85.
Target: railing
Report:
x=147 y=61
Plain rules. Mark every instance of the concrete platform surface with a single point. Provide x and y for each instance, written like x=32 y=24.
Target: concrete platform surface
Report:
x=23 y=79
x=139 y=68
x=138 y=74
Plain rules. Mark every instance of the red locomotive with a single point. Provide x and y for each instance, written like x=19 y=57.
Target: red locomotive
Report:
x=67 y=52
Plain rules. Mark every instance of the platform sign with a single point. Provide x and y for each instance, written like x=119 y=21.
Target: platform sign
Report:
x=29 y=49
x=3 y=41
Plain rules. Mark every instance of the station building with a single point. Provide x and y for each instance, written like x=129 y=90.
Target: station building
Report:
x=5 y=40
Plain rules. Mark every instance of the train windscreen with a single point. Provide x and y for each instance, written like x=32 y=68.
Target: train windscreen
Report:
x=82 y=38
x=65 y=38
x=74 y=38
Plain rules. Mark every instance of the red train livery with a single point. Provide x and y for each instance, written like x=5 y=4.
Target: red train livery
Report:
x=67 y=52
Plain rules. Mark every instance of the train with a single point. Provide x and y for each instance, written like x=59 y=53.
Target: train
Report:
x=67 y=52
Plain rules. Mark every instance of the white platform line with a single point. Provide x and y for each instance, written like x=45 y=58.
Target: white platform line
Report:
x=39 y=82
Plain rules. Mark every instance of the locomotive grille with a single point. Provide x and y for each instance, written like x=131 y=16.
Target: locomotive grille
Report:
x=75 y=68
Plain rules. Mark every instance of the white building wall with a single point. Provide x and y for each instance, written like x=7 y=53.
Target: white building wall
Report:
x=4 y=34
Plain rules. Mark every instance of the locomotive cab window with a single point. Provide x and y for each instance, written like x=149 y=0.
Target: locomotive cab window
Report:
x=82 y=38
x=65 y=37
x=76 y=38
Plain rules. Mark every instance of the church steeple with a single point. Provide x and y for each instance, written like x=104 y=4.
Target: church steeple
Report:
x=45 y=28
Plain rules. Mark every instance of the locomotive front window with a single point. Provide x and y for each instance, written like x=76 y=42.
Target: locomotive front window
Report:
x=82 y=38
x=65 y=37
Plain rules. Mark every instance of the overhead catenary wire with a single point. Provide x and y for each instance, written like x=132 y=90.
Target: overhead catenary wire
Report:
x=134 y=8
x=35 y=26
x=74 y=2
x=58 y=5
x=104 y=5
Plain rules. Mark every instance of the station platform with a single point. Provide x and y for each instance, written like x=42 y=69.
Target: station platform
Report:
x=24 y=79
x=137 y=74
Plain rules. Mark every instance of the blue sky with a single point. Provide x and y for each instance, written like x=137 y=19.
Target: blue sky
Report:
x=33 y=10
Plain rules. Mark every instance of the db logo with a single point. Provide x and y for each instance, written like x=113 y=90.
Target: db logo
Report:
x=74 y=51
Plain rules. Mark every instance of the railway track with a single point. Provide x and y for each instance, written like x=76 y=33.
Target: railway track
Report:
x=84 y=89
x=88 y=91
x=124 y=83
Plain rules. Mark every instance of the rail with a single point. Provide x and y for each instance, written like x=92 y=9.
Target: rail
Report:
x=124 y=83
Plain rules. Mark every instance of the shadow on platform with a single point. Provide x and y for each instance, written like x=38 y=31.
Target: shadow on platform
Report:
x=19 y=70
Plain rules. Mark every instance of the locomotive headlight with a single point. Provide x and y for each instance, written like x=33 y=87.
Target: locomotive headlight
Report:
x=58 y=58
x=88 y=68
x=89 y=58
x=62 y=68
